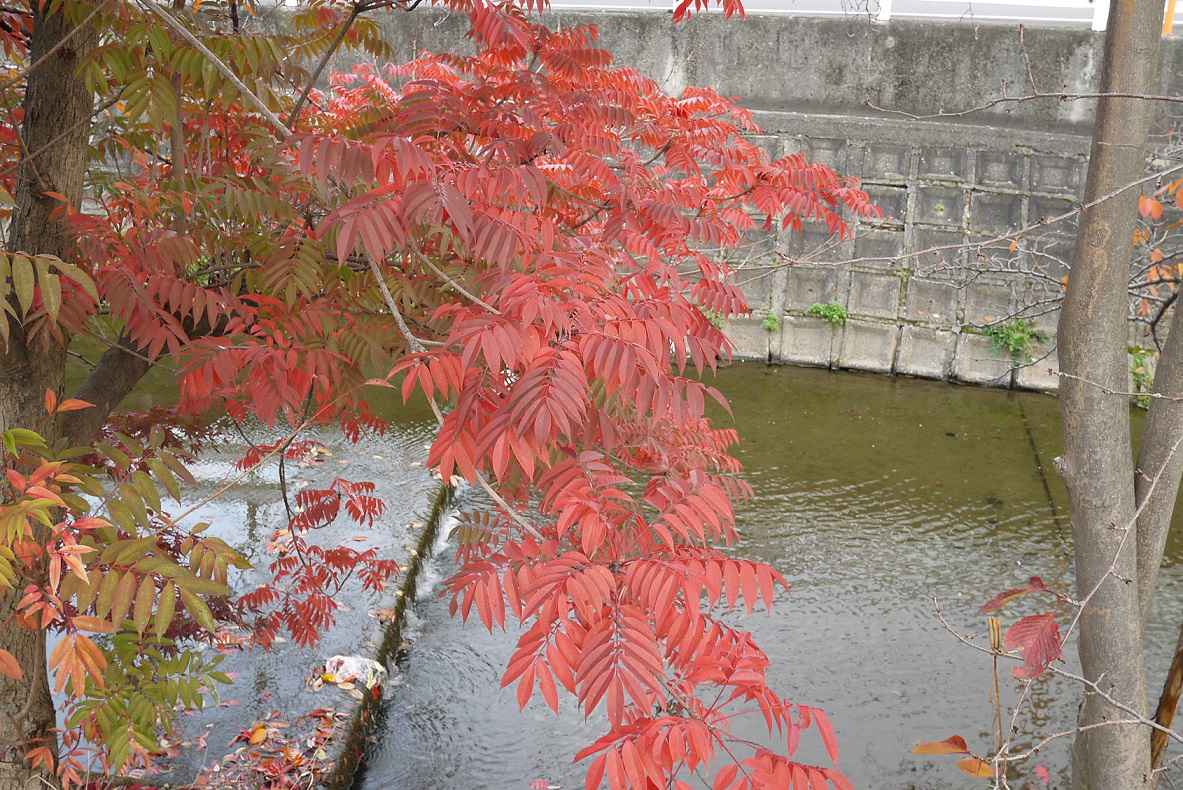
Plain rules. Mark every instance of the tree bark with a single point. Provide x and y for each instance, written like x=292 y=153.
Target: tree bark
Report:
x=118 y=371
x=1097 y=464
x=1160 y=465
x=57 y=108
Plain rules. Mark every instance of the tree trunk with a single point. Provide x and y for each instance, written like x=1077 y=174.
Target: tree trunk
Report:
x=1097 y=464
x=1160 y=465
x=57 y=109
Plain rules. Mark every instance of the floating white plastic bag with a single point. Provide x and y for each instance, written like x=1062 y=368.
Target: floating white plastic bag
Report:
x=349 y=672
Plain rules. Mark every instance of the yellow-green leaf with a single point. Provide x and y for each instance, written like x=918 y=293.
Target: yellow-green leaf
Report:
x=51 y=295
x=146 y=489
x=143 y=608
x=121 y=603
x=106 y=595
x=166 y=478
x=197 y=610
x=166 y=608
x=86 y=592
x=23 y=281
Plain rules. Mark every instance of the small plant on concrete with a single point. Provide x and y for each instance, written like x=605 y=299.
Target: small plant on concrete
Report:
x=834 y=312
x=1015 y=337
x=1142 y=375
x=771 y=324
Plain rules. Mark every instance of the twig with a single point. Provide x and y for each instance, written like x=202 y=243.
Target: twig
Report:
x=455 y=285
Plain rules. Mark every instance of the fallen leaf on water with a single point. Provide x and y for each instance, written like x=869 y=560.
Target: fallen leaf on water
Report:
x=975 y=766
x=954 y=744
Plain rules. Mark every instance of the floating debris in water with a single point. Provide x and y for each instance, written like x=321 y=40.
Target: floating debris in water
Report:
x=347 y=672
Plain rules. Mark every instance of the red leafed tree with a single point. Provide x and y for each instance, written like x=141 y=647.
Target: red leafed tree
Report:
x=528 y=236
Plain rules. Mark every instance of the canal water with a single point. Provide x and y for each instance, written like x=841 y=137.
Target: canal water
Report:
x=879 y=498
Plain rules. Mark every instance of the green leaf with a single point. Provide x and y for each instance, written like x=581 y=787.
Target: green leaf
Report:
x=131 y=498
x=122 y=516
x=152 y=564
x=114 y=453
x=22 y=437
x=166 y=478
x=146 y=489
x=134 y=550
x=75 y=502
x=177 y=467
x=87 y=590
x=133 y=447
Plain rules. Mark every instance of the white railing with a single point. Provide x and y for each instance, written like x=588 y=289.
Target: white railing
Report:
x=1094 y=13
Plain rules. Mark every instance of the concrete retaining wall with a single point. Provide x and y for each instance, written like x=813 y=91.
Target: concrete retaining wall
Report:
x=846 y=92
x=921 y=284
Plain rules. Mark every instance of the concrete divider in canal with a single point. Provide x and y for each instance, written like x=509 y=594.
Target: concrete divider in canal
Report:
x=348 y=749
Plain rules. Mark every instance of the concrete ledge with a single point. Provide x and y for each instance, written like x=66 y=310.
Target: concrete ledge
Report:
x=978 y=362
x=805 y=341
x=868 y=346
x=750 y=339
x=1042 y=373
x=924 y=352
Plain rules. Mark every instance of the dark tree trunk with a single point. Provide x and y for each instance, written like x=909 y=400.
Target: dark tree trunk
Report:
x=57 y=110
x=1160 y=464
x=1097 y=464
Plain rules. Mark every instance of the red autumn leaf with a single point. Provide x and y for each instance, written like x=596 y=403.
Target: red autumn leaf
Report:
x=954 y=744
x=827 y=732
x=1149 y=208
x=1043 y=774
x=1038 y=637
x=51 y=401
x=9 y=667
x=74 y=404
x=1034 y=584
